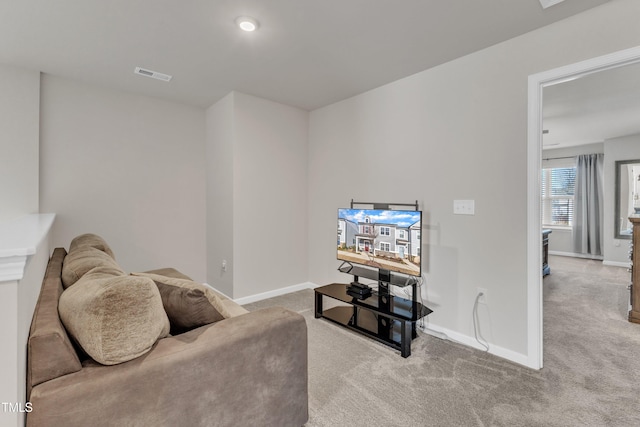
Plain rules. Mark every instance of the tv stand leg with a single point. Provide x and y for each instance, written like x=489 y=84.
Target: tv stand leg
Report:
x=414 y=298
x=405 y=338
x=318 y=305
x=383 y=288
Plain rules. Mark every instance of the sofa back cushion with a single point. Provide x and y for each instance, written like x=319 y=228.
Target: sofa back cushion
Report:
x=189 y=304
x=82 y=259
x=93 y=241
x=50 y=352
x=113 y=318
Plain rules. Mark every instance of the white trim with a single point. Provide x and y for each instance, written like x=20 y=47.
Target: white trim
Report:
x=575 y=255
x=434 y=330
x=217 y=290
x=604 y=262
x=447 y=334
x=19 y=239
x=536 y=84
x=534 y=225
x=12 y=268
x=556 y=228
x=274 y=293
x=617 y=264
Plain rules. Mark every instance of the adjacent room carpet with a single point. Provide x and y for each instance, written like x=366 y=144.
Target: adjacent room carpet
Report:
x=591 y=374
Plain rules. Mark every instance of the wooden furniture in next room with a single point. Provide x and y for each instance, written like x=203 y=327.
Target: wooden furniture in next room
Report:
x=634 y=256
x=545 y=252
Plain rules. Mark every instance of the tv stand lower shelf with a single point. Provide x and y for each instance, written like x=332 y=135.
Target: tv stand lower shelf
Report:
x=386 y=318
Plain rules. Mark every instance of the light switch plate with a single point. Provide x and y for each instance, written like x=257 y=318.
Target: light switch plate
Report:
x=464 y=207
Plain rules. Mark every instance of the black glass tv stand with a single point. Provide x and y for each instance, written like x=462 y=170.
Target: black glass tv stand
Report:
x=382 y=316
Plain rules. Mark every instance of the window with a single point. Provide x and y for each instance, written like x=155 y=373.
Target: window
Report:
x=558 y=184
x=384 y=231
x=401 y=234
x=384 y=246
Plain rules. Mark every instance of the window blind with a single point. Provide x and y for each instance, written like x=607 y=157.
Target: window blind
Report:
x=558 y=187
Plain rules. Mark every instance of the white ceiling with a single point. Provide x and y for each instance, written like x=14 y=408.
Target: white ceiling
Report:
x=307 y=53
x=593 y=108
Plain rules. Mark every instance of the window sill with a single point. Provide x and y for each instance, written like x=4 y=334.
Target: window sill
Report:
x=556 y=227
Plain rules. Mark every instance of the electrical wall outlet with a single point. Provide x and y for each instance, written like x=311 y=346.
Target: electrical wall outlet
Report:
x=483 y=298
x=224 y=265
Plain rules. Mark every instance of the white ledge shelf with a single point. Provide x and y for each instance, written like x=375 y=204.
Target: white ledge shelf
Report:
x=19 y=239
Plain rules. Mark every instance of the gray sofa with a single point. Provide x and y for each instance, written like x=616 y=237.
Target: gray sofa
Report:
x=246 y=370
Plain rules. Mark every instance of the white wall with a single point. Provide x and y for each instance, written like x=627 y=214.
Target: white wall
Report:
x=257 y=159
x=24 y=252
x=457 y=131
x=19 y=138
x=129 y=168
x=623 y=148
x=220 y=146
x=19 y=163
x=270 y=196
x=18 y=300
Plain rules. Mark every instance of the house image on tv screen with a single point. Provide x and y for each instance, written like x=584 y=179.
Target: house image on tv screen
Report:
x=384 y=239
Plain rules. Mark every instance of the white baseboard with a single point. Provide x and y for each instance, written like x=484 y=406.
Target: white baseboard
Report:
x=575 y=255
x=274 y=293
x=217 y=290
x=617 y=264
x=434 y=330
x=447 y=334
x=604 y=262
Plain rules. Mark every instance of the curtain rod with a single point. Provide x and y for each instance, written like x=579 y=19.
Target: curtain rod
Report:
x=558 y=158
x=570 y=157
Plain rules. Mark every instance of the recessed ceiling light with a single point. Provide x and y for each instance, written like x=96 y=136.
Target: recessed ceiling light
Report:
x=247 y=23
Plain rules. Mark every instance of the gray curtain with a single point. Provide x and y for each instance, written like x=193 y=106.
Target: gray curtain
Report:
x=588 y=207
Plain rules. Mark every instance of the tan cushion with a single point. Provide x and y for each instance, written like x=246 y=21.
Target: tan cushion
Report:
x=169 y=272
x=101 y=272
x=189 y=304
x=83 y=259
x=91 y=240
x=114 y=318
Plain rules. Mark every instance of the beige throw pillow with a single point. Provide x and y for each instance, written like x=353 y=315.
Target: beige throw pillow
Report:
x=91 y=240
x=113 y=318
x=189 y=304
x=81 y=260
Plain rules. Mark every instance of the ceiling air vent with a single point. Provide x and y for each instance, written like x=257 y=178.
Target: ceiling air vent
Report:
x=152 y=74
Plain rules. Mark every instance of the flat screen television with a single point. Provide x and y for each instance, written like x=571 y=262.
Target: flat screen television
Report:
x=388 y=240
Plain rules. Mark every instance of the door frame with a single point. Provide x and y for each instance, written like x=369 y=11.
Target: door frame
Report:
x=537 y=82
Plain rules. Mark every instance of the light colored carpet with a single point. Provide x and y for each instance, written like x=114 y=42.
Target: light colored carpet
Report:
x=591 y=375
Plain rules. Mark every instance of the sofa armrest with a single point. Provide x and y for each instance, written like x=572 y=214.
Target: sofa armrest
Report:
x=246 y=370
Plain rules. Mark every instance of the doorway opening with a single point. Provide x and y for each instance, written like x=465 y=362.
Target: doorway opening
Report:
x=536 y=84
